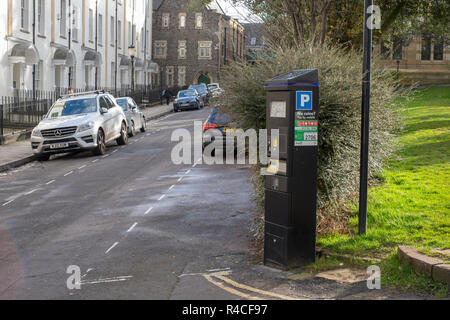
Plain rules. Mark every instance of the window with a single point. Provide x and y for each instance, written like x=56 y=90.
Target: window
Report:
x=113 y=74
x=75 y=24
x=38 y=75
x=438 y=49
x=24 y=16
x=426 y=48
x=161 y=49
x=181 y=76
x=62 y=19
x=182 y=24
x=397 y=49
x=204 y=49
x=41 y=17
x=91 y=25
x=165 y=20
x=119 y=34
x=100 y=29
x=181 y=49
x=385 y=50
x=253 y=42
x=169 y=76
x=130 y=36
x=198 y=21
x=112 y=32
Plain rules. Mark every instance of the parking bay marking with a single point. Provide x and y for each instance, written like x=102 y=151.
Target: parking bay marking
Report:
x=107 y=280
x=112 y=247
x=132 y=227
x=31 y=192
x=6 y=203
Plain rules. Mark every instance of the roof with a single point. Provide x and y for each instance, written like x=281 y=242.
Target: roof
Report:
x=157 y=4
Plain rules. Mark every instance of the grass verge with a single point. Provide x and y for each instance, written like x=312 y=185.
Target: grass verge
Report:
x=411 y=206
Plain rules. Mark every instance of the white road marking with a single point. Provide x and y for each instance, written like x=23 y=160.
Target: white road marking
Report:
x=106 y=155
x=162 y=197
x=171 y=187
x=189 y=171
x=112 y=247
x=115 y=151
x=31 y=192
x=148 y=211
x=6 y=203
x=68 y=174
x=87 y=272
x=50 y=182
x=82 y=167
x=132 y=227
x=96 y=160
x=107 y=280
x=179 y=180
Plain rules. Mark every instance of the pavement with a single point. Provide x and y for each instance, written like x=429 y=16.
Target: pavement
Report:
x=133 y=225
x=19 y=153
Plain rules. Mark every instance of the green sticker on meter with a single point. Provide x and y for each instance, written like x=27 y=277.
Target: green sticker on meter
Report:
x=306 y=133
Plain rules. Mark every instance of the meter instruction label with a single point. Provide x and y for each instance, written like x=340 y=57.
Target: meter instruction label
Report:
x=306 y=129
x=304 y=100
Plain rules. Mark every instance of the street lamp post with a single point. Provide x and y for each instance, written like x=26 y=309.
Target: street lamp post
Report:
x=132 y=51
x=365 y=121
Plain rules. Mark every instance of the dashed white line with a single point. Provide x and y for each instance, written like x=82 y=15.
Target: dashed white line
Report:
x=170 y=189
x=82 y=167
x=148 y=211
x=106 y=155
x=6 y=203
x=162 y=197
x=115 y=151
x=181 y=178
x=189 y=171
x=50 y=182
x=132 y=227
x=96 y=160
x=112 y=247
x=31 y=192
x=68 y=173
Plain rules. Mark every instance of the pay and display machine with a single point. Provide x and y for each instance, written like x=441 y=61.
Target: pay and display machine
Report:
x=291 y=183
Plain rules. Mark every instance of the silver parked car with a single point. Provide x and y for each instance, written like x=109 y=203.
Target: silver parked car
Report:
x=83 y=121
x=135 y=118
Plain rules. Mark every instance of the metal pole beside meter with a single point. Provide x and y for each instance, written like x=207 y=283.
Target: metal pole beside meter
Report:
x=291 y=181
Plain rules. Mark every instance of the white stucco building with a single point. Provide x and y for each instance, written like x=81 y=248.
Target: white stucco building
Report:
x=54 y=43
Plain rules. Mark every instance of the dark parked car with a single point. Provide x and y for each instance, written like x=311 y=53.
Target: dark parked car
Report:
x=221 y=122
x=188 y=99
x=203 y=91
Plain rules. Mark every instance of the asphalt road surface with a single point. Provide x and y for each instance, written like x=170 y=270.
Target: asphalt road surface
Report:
x=137 y=226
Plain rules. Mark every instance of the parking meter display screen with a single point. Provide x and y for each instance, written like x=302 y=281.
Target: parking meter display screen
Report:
x=278 y=109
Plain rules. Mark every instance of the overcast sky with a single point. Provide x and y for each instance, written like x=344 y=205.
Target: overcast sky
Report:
x=237 y=11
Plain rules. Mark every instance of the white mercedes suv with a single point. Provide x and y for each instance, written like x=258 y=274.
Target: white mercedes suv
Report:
x=77 y=122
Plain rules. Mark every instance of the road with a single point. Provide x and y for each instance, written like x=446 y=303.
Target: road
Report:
x=137 y=226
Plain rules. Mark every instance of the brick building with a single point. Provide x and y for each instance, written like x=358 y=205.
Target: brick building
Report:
x=191 y=47
x=421 y=60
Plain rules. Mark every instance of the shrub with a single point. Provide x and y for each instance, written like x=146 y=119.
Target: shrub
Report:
x=340 y=74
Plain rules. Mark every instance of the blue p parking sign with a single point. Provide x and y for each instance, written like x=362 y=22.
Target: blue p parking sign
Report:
x=304 y=100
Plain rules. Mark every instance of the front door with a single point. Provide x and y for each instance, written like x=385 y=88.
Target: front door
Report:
x=204 y=79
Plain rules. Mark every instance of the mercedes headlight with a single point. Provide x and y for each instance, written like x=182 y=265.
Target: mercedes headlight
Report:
x=86 y=126
x=36 y=133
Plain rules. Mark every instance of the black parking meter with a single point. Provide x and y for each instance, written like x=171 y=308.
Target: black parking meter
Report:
x=291 y=183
